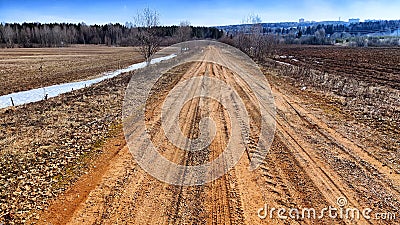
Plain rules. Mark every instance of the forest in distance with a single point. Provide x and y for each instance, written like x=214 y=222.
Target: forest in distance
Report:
x=63 y=34
x=361 y=34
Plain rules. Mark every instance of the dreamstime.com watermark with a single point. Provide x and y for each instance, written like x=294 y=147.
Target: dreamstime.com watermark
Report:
x=340 y=211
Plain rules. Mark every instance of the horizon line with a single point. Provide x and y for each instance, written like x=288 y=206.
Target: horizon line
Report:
x=124 y=23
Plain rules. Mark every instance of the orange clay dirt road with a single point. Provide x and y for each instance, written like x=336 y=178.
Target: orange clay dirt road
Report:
x=310 y=164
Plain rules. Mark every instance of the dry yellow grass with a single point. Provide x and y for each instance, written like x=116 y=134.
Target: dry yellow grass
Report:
x=27 y=68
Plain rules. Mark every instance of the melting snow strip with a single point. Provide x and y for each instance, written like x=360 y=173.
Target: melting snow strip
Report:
x=35 y=95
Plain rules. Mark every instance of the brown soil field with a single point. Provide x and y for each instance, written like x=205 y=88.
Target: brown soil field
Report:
x=365 y=80
x=322 y=150
x=377 y=65
x=23 y=69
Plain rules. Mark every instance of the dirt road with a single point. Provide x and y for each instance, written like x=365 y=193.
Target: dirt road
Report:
x=310 y=165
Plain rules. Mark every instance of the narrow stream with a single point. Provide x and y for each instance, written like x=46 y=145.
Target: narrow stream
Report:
x=39 y=94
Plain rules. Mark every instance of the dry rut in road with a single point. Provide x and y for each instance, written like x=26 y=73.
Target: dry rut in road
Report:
x=309 y=165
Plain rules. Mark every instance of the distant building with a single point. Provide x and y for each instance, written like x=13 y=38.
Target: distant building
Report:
x=354 y=20
x=372 y=20
x=301 y=20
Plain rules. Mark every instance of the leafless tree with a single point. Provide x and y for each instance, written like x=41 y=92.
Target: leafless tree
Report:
x=243 y=42
x=57 y=36
x=148 y=22
x=320 y=35
x=253 y=41
x=252 y=19
x=184 y=31
x=9 y=36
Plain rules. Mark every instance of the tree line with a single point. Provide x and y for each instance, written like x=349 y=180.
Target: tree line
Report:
x=64 y=34
x=375 y=34
x=362 y=28
x=261 y=42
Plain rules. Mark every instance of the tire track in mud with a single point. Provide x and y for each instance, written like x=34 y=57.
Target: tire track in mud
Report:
x=337 y=159
x=367 y=163
x=225 y=201
x=223 y=198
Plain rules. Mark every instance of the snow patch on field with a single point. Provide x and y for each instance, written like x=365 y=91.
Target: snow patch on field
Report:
x=283 y=63
x=35 y=95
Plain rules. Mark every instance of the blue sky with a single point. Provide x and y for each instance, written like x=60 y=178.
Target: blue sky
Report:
x=205 y=12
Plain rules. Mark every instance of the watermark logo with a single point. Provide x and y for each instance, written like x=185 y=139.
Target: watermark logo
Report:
x=222 y=74
x=341 y=201
x=340 y=211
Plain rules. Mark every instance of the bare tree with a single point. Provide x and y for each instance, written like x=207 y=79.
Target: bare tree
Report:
x=252 y=19
x=147 y=22
x=184 y=31
x=9 y=36
x=254 y=41
x=320 y=35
